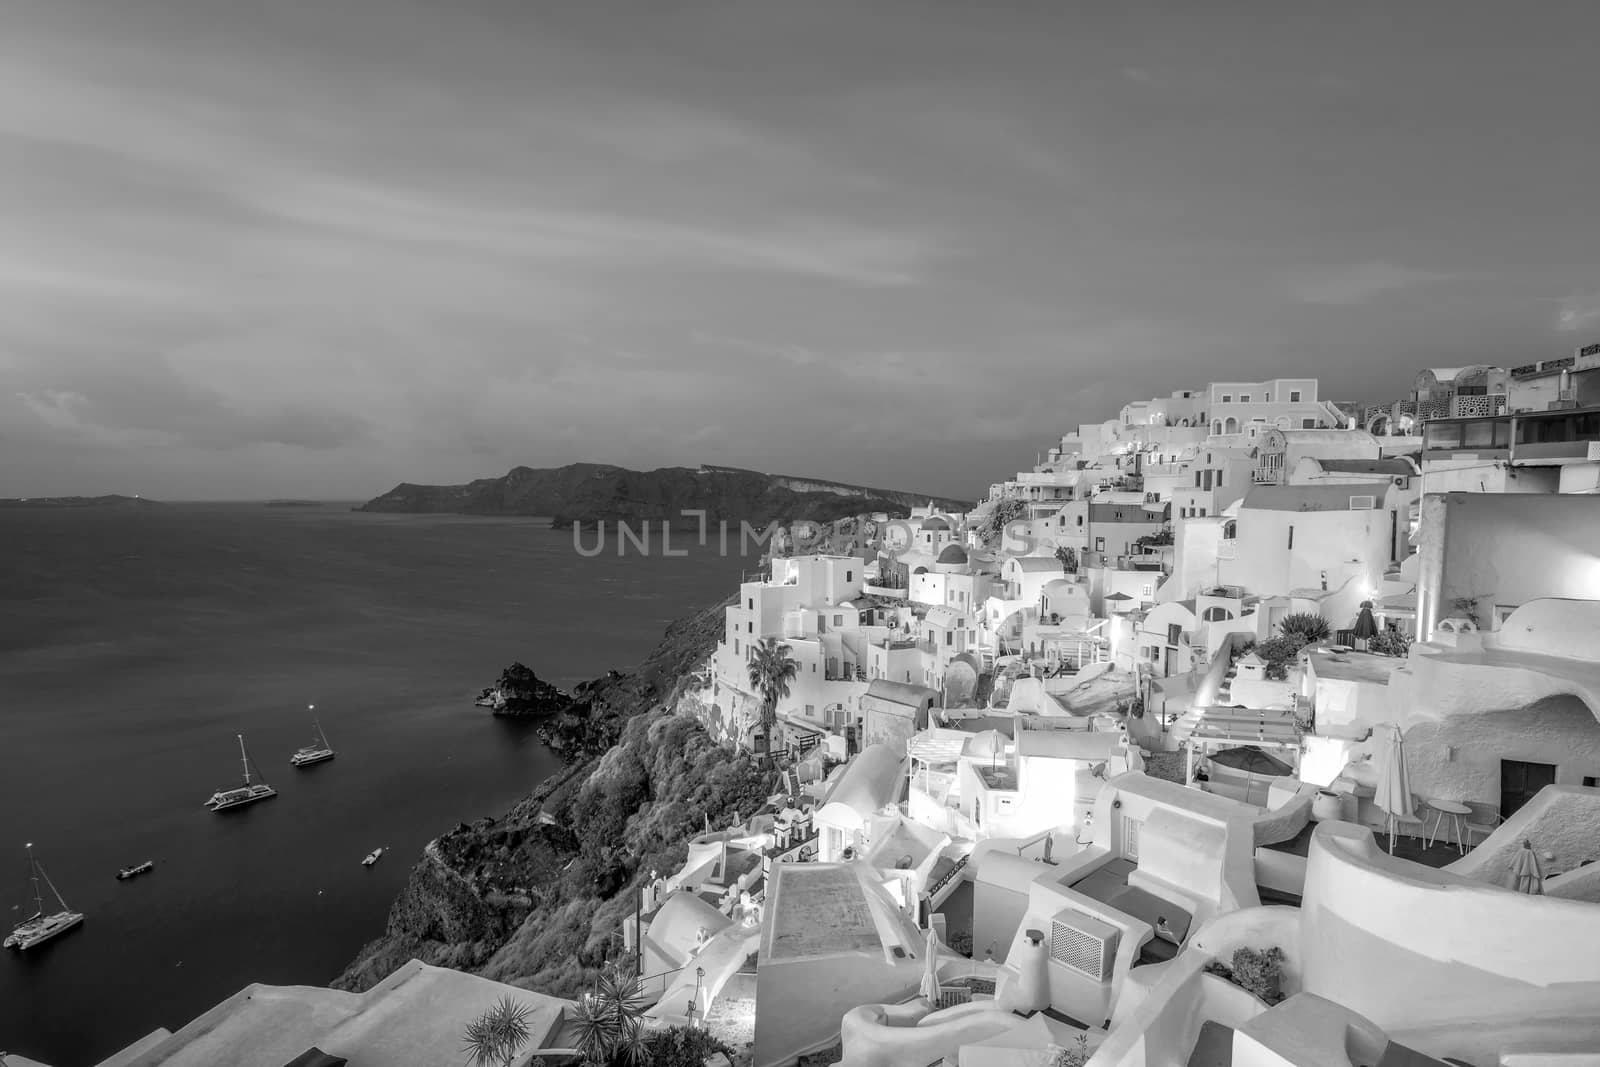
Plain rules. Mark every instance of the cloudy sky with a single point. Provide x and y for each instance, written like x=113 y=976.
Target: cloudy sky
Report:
x=269 y=247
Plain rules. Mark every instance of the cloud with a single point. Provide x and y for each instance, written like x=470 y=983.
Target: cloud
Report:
x=1360 y=282
x=1579 y=313
x=1141 y=76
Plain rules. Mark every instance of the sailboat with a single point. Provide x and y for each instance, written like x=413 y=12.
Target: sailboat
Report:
x=248 y=793
x=39 y=927
x=315 y=752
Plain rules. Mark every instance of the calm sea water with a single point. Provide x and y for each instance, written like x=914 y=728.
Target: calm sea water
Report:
x=134 y=645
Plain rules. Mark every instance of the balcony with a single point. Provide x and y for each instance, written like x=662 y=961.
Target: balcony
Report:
x=1265 y=475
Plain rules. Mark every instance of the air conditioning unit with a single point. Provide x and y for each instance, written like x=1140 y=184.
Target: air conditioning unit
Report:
x=1363 y=503
x=1083 y=944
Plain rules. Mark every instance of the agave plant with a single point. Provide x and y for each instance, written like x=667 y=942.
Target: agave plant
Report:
x=1306 y=624
x=494 y=1038
x=609 y=1021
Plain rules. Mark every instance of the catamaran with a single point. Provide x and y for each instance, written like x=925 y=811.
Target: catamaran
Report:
x=249 y=793
x=316 y=752
x=39 y=927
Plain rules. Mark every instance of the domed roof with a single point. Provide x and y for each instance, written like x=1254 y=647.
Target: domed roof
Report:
x=953 y=554
x=934 y=522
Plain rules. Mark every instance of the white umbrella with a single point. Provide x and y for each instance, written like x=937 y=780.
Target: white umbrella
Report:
x=1393 y=795
x=1526 y=874
x=930 y=973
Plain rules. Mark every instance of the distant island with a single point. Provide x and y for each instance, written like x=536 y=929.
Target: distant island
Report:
x=587 y=493
x=111 y=500
x=294 y=503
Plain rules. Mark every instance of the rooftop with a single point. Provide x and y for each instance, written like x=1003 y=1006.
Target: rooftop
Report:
x=1355 y=666
x=1309 y=497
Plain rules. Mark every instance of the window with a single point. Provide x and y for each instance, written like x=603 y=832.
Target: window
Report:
x=813 y=671
x=949 y=637
x=1227 y=398
x=1294 y=396
x=838 y=620
x=1267 y=398
x=1291 y=538
x=751 y=604
x=1308 y=424
x=1202 y=513
x=1099 y=544
x=1244 y=398
x=1146 y=590
x=1174 y=633
x=735 y=646
x=750 y=627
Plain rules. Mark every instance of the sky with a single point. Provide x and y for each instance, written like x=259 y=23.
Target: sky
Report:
x=281 y=248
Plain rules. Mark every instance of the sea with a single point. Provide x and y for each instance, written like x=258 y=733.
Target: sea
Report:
x=136 y=642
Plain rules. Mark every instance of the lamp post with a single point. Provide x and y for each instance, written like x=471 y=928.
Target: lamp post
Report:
x=699 y=976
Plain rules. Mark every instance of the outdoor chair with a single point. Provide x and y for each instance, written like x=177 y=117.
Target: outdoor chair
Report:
x=1416 y=826
x=1483 y=821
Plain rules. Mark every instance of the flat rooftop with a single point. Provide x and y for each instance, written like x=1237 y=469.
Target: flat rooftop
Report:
x=1356 y=666
x=820 y=911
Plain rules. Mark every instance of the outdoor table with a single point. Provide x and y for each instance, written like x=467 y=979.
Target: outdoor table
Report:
x=1453 y=810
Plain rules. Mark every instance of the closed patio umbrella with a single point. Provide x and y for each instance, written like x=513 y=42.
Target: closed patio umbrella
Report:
x=1526 y=874
x=930 y=970
x=1393 y=796
x=1366 y=627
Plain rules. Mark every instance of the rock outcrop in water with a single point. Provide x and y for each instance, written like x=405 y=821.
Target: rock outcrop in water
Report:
x=585 y=493
x=522 y=694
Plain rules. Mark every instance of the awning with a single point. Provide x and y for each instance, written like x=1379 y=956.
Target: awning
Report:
x=1240 y=726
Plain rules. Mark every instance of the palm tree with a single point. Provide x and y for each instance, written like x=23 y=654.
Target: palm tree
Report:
x=609 y=1022
x=494 y=1038
x=772 y=668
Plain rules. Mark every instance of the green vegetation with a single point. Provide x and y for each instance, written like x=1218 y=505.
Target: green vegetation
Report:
x=772 y=669
x=1076 y=1056
x=1258 y=971
x=1067 y=558
x=1280 y=654
x=609 y=1020
x=494 y=1038
x=1310 y=626
x=683 y=1047
x=1004 y=512
x=1389 y=643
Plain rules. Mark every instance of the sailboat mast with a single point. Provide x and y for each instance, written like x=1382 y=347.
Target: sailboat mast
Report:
x=33 y=873
x=244 y=758
x=322 y=738
x=59 y=898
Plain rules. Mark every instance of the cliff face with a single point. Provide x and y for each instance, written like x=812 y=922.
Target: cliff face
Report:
x=587 y=493
x=535 y=895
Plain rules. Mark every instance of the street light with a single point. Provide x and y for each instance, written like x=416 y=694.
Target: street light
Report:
x=699 y=976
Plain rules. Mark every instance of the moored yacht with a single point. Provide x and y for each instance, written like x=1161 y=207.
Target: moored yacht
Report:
x=40 y=927
x=137 y=869
x=372 y=857
x=249 y=793
x=318 y=750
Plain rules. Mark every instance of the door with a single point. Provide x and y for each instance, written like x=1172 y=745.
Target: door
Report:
x=1520 y=781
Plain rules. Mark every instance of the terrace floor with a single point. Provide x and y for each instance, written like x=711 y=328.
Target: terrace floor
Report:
x=1441 y=854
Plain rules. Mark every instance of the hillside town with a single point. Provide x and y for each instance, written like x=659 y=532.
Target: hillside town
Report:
x=1246 y=727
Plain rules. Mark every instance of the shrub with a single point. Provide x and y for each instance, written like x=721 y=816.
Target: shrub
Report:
x=1279 y=653
x=962 y=944
x=1389 y=643
x=1076 y=1056
x=682 y=1046
x=1307 y=625
x=1257 y=971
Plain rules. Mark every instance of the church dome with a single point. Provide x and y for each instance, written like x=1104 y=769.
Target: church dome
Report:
x=953 y=554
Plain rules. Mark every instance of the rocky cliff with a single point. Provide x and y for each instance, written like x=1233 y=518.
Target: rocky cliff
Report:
x=588 y=493
x=534 y=897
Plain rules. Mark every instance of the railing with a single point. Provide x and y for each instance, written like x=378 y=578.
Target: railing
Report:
x=1265 y=475
x=948 y=876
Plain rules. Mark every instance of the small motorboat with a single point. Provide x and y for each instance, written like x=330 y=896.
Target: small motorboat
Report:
x=372 y=857
x=136 y=870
